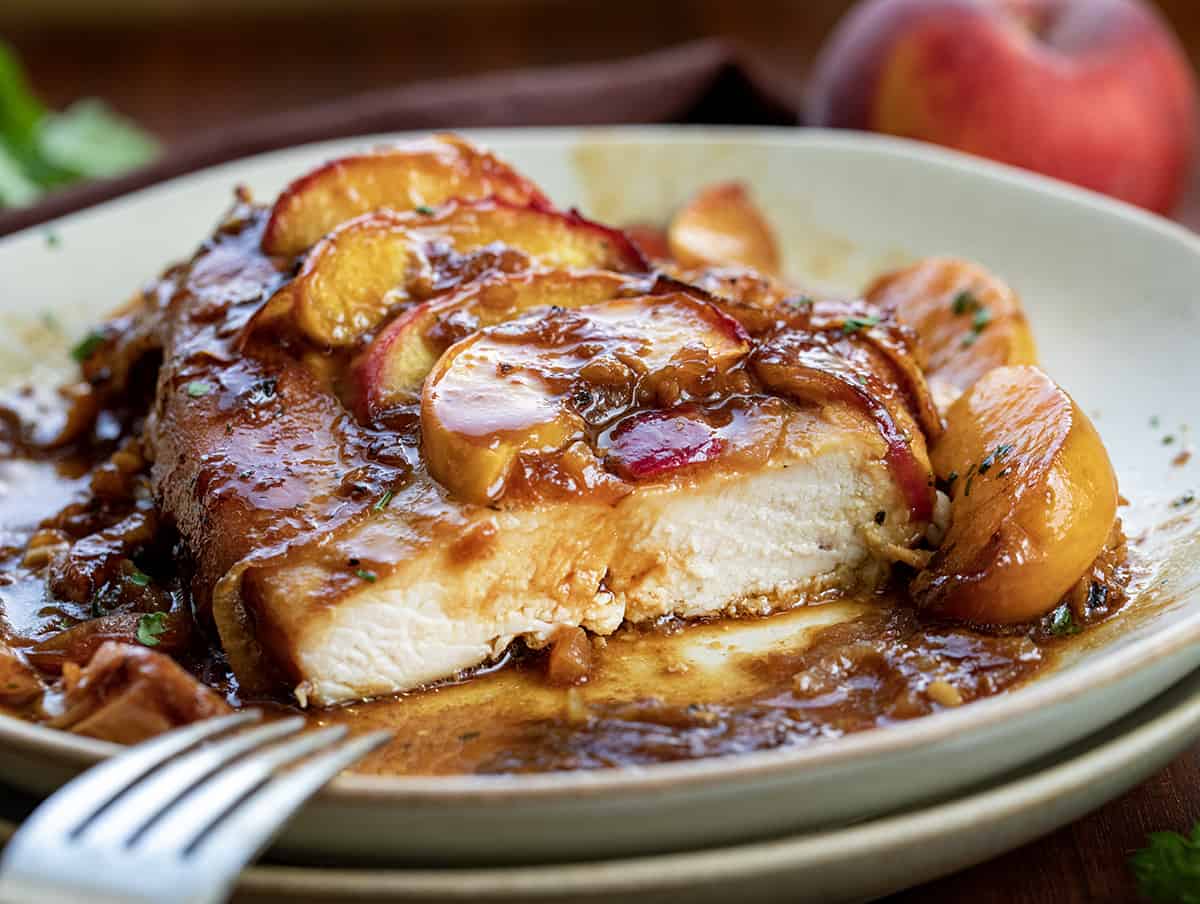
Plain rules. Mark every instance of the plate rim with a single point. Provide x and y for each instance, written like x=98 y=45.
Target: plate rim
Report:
x=1027 y=787
x=1060 y=688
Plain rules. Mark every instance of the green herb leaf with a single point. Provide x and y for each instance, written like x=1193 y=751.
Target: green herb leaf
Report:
x=16 y=188
x=198 y=388
x=369 y=576
x=981 y=319
x=1168 y=868
x=1186 y=499
x=383 y=501
x=20 y=111
x=87 y=346
x=90 y=141
x=139 y=579
x=150 y=627
x=424 y=210
x=964 y=301
x=41 y=150
x=854 y=324
x=1062 y=622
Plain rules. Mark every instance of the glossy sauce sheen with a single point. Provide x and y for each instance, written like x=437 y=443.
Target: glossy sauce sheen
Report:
x=285 y=464
x=711 y=689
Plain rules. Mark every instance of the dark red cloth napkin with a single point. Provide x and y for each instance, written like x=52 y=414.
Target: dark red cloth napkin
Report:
x=709 y=82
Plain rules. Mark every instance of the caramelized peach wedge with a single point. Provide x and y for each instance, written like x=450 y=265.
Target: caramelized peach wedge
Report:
x=966 y=320
x=386 y=260
x=722 y=227
x=526 y=386
x=427 y=172
x=393 y=368
x=1033 y=500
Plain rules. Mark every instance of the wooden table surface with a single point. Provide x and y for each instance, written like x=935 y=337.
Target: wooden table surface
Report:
x=183 y=75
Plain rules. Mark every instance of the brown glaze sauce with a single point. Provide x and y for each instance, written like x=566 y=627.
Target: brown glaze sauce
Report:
x=674 y=693
x=86 y=555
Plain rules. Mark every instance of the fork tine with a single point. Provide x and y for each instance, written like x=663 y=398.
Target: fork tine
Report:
x=80 y=799
x=247 y=830
x=181 y=826
x=142 y=803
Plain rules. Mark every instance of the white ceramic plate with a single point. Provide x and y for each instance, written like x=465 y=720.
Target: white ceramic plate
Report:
x=1111 y=292
x=853 y=864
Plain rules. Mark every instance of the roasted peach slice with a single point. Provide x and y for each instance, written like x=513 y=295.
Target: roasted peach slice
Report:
x=967 y=321
x=722 y=227
x=650 y=444
x=429 y=172
x=525 y=386
x=397 y=361
x=1033 y=500
x=370 y=265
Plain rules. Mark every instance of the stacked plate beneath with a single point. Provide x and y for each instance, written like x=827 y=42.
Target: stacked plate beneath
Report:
x=856 y=863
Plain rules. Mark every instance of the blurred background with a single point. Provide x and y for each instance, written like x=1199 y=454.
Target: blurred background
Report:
x=1103 y=96
x=182 y=67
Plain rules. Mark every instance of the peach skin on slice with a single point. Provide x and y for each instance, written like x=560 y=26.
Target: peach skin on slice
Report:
x=429 y=172
x=1033 y=499
x=722 y=227
x=524 y=386
x=967 y=321
x=395 y=364
x=366 y=267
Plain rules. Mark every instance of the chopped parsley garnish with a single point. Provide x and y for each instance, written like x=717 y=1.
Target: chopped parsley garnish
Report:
x=150 y=627
x=1168 y=439
x=424 y=210
x=369 y=576
x=964 y=301
x=854 y=324
x=996 y=454
x=982 y=317
x=1154 y=422
x=1168 y=867
x=198 y=388
x=383 y=501
x=52 y=239
x=1062 y=622
x=87 y=346
x=1186 y=499
x=139 y=579
x=970 y=480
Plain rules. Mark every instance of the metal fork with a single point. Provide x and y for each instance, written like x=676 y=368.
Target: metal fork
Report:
x=177 y=817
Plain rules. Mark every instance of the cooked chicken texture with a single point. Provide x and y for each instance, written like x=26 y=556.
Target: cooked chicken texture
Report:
x=801 y=505
x=532 y=439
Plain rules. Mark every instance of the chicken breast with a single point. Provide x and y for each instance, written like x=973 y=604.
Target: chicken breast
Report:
x=817 y=517
x=661 y=455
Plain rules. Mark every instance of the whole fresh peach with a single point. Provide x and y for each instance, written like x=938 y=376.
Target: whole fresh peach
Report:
x=1096 y=92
